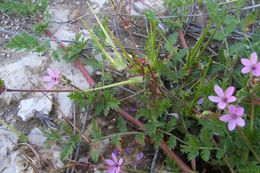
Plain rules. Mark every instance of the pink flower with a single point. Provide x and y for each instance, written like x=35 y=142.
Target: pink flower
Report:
x=52 y=79
x=223 y=98
x=114 y=164
x=234 y=117
x=251 y=65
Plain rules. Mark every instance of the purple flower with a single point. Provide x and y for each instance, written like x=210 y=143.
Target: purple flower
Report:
x=251 y=65
x=128 y=150
x=200 y=101
x=52 y=79
x=223 y=98
x=234 y=117
x=114 y=164
x=139 y=156
x=115 y=151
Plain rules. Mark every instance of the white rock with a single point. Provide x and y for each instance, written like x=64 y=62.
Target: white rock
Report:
x=29 y=106
x=140 y=7
x=65 y=105
x=64 y=34
x=100 y=3
x=14 y=163
x=10 y=160
x=56 y=159
x=59 y=14
x=21 y=75
x=36 y=137
x=8 y=141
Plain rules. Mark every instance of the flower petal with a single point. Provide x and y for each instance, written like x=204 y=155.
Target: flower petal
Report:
x=229 y=92
x=253 y=58
x=56 y=73
x=120 y=161
x=225 y=118
x=51 y=72
x=110 y=162
x=50 y=85
x=139 y=156
x=256 y=71
x=246 y=70
x=114 y=157
x=111 y=169
x=117 y=170
x=240 y=121
x=46 y=78
x=214 y=99
x=222 y=105
x=219 y=91
x=56 y=82
x=232 y=109
x=246 y=62
x=240 y=111
x=232 y=125
x=231 y=99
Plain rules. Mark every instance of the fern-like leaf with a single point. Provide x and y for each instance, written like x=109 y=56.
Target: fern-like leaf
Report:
x=27 y=43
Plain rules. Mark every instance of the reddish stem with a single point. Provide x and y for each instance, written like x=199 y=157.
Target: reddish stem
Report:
x=171 y=154
x=85 y=73
x=182 y=38
x=51 y=35
x=34 y=90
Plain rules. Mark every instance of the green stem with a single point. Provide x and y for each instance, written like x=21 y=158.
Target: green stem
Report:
x=113 y=135
x=129 y=81
x=252 y=116
x=252 y=112
x=21 y=136
x=227 y=2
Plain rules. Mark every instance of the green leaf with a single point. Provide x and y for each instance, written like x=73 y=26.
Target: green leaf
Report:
x=170 y=125
x=2 y=86
x=94 y=152
x=121 y=124
x=140 y=138
x=110 y=102
x=51 y=135
x=205 y=137
x=151 y=128
x=205 y=154
x=73 y=50
x=96 y=131
x=192 y=149
x=220 y=153
x=43 y=25
x=172 y=142
x=25 y=8
x=172 y=39
x=116 y=141
x=79 y=98
x=157 y=138
x=236 y=48
x=151 y=16
x=27 y=42
x=67 y=151
x=67 y=129
x=248 y=20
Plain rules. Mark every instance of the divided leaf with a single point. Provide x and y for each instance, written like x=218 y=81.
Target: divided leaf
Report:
x=28 y=43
